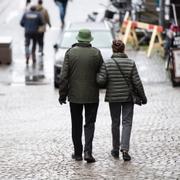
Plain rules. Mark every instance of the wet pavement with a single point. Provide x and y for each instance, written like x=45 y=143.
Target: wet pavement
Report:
x=35 y=131
x=10 y=15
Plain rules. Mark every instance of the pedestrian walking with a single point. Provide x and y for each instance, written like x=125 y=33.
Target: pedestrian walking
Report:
x=31 y=21
x=27 y=6
x=42 y=29
x=121 y=77
x=28 y=2
x=62 y=5
x=78 y=83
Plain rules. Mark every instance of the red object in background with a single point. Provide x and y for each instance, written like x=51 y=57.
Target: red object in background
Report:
x=175 y=28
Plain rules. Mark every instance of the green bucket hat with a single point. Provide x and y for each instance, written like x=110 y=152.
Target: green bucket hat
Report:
x=84 y=35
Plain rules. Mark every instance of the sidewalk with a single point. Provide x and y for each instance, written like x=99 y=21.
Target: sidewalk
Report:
x=11 y=13
x=35 y=131
x=36 y=142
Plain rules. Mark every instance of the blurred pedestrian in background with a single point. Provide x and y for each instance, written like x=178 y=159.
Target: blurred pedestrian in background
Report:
x=170 y=34
x=27 y=6
x=62 y=5
x=121 y=77
x=31 y=21
x=42 y=29
x=78 y=82
x=28 y=2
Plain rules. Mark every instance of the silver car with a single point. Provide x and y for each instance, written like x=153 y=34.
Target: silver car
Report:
x=102 y=40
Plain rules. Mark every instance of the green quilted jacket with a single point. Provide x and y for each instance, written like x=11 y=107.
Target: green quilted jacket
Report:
x=78 y=76
x=117 y=89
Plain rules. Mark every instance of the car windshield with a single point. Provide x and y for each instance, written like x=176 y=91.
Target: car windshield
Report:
x=102 y=39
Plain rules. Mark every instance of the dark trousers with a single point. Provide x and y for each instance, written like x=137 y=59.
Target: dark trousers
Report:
x=41 y=41
x=62 y=9
x=28 y=38
x=127 y=116
x=77 y=123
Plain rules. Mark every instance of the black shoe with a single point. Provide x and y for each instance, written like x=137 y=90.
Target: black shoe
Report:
x=115 y=153
x=88 y=157
x=77 y=157
x=126 y=156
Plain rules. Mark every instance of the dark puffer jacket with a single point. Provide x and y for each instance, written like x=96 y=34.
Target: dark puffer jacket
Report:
x=78 y=76
x=117 y=89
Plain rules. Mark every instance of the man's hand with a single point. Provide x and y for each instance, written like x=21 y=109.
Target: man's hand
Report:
x=144 y=100
x=62 y=100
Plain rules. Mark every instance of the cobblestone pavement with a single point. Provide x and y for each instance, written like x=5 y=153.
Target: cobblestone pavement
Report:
x=35 y=133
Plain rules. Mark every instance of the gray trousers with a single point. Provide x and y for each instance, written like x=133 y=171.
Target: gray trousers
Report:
x=126 y=109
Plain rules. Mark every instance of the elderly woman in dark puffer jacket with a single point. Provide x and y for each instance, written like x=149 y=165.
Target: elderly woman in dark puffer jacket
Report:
x=118 y=81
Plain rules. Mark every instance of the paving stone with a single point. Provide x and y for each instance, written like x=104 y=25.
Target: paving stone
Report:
x=35 y=133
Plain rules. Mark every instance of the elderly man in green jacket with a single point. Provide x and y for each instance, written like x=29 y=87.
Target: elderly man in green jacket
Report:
x=78 y=83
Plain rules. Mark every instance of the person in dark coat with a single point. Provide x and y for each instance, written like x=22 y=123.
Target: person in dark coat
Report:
x=78 y=83
x=62 y=5
x=31 y=21
x=118 y=83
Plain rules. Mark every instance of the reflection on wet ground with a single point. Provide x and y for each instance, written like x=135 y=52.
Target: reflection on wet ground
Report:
x=34 y=74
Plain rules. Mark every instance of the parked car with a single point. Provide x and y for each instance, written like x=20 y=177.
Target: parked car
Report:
x=102 y=40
